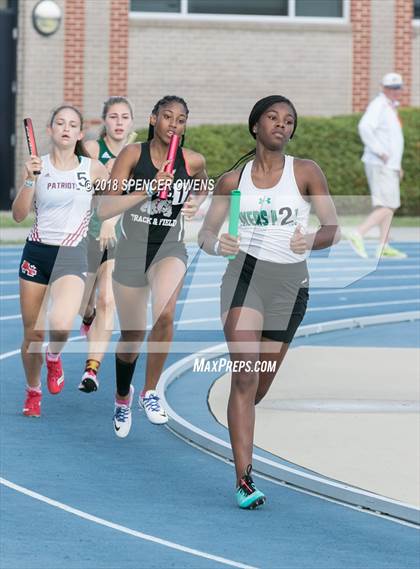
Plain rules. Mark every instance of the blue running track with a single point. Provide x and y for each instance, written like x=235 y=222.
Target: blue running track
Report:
x=73 y=496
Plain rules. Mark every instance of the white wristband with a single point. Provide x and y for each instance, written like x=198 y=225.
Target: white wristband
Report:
x=29 y=183
x=216 y=247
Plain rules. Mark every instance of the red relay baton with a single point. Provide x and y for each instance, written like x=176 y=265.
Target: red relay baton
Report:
x=173 y=147
x=30 y=139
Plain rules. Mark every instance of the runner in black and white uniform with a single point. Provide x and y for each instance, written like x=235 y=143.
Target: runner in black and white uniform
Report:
x=54 y=256
x=264 y=290
x=156 y=223
x=151 y=255
x=98 y=305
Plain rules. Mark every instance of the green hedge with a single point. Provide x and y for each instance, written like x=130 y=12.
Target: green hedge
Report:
x=333 y=143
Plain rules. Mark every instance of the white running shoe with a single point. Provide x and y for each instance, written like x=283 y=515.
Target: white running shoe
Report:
x=122 y=417
x=89 y=382
x=154 y=410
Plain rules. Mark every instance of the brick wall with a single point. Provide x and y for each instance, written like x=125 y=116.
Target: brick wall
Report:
x=415 y=82
x=382 y=42
x=40 y=80
x=360 y=14
x=74 y=50
x=403 y=45
x=118 y=60
x=96 y=60
x=223 y=68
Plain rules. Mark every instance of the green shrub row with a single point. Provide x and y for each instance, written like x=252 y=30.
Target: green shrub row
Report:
x=333 y=143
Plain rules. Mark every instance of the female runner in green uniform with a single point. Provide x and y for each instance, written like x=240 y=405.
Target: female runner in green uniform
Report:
x=98 y=306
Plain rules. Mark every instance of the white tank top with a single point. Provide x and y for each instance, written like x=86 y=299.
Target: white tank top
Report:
x=62 y=204
x=269 y=217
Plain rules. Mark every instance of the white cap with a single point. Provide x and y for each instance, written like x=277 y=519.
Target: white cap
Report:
x=392 y=80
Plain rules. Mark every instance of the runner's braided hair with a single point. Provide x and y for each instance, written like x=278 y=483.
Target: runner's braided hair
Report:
x=166 y=100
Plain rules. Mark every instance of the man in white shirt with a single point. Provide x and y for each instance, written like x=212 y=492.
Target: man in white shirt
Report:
x=381 y=132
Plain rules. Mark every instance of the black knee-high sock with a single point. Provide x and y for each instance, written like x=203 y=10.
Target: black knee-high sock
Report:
x=124 y=373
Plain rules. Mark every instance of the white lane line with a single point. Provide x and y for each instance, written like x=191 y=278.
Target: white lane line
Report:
x=377 y=289
x=344 y=290
x=380 y=278
x=363 y=305
x=294 y=488
x=329 y=291
x=314 y=282
x=358 y=272
x=353 y=262
x=217 y=298
x=192 y=321
x=9 y=354
x=343 y=405
x=9 y=297
x=318 y=308
x=123 y=529
x=8 y=271
x=328 y=279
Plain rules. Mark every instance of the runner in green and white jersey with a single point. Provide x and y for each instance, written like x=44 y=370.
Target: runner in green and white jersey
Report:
x=98 y=305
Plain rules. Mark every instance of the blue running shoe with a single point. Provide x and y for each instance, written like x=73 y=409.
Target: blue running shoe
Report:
x=247 y=495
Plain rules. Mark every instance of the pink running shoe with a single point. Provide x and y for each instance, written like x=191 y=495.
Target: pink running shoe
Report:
x=55 y=375
x=87 y=323
x=32 y=405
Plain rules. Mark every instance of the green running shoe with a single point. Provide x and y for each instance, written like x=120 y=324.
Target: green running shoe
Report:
x=357 y=244
x=390 y=253
x=247 y=495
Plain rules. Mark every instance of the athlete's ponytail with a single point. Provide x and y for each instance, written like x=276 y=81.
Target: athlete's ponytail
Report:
x=239 y=162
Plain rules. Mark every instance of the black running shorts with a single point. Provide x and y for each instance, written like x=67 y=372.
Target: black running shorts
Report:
x=278 y=291
x=44 y=264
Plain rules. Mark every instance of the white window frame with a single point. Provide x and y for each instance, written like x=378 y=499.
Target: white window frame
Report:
x=416 y=21
x=184 y=15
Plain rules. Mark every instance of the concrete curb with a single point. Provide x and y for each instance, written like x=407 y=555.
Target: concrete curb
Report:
x=291 y=476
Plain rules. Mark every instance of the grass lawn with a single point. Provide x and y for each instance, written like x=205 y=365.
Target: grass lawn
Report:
x=6 y=220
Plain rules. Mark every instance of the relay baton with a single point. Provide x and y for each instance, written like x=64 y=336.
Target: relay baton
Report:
x=235 y=206
x=173 y=147
x=30 y=139
x=132 y=138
